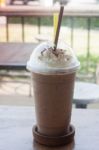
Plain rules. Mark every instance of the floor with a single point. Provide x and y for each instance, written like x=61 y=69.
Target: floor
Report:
x=16 y=93
x=13 y=92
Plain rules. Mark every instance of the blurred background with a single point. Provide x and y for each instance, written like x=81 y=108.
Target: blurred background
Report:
x=80 y=30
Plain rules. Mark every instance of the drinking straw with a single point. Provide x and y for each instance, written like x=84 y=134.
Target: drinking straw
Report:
x=55 y=23
x=58 y=27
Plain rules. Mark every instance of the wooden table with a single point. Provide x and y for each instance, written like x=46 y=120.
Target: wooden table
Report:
x=85 y=93
x=16 y=129
x=15 y=55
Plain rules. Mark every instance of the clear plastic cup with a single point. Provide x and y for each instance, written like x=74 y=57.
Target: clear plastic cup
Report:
x=53 y=92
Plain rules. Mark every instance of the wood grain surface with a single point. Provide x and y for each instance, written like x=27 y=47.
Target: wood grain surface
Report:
x=16 y=129
x=15 y=54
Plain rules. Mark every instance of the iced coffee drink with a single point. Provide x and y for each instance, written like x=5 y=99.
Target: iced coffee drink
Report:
x=53 y=74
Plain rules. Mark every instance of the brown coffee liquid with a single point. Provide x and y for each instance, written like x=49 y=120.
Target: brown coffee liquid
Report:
x=53 y=102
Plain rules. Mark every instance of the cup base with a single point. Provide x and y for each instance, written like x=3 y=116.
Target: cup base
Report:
x=54 y=141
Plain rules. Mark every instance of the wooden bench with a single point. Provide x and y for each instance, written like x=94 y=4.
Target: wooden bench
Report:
x=13 y=57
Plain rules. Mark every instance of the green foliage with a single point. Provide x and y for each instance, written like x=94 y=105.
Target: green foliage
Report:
x=31 y=20
x=48 y=21
x=88 y=66
x=95 y=23
x=14 y=20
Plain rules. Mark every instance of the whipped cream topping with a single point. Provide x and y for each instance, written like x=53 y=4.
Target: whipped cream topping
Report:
x=45 y=60
x=58 y=58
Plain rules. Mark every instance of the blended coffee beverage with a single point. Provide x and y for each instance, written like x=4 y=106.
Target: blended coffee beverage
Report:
x=53 y=74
